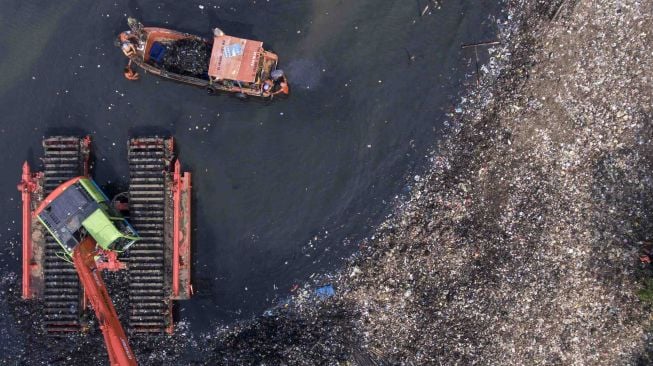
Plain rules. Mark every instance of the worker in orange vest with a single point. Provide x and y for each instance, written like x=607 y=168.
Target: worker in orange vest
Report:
x=129 y=73
x=283 y=87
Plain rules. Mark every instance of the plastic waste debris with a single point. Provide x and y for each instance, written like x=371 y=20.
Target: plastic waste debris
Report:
x=187 y=57
x=325 y=291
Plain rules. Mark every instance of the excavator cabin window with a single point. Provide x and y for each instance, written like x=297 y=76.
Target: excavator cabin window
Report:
x=121 y=244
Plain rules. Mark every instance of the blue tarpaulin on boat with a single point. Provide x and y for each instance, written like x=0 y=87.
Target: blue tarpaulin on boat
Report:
x=325 y=291
x=156 y=52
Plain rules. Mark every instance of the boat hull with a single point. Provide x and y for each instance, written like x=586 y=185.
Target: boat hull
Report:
x=141 y=45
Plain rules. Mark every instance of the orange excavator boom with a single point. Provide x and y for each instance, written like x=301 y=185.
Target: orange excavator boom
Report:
x=120 y=353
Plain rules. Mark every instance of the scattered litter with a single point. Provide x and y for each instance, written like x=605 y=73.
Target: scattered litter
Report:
x=325 y=291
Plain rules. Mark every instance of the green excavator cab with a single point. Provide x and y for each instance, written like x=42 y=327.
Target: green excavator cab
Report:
x=79 y=208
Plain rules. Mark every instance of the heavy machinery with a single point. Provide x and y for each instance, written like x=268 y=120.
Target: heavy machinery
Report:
x=74 y=233
x=79 y=217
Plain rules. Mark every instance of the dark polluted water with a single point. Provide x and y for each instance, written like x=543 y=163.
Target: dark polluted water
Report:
x=281 y=190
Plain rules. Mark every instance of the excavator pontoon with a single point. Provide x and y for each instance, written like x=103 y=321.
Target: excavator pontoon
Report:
x=76 y=231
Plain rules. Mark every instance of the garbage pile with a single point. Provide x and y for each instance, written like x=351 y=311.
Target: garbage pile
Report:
x=521 y=245
x=189 y=57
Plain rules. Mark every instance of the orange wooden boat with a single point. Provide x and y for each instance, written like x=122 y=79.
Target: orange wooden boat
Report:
x=225 y=63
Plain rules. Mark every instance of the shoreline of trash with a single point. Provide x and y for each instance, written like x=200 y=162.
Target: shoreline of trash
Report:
x=519 y=246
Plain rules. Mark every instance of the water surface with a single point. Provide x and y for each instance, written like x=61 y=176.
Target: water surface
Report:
x=281 y=190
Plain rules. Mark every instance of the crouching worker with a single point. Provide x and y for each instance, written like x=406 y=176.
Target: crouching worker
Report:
x=128 y=49
x=267 y=86
x=283 y=87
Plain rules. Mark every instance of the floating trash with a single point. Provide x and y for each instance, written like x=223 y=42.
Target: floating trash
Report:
x=325 y=291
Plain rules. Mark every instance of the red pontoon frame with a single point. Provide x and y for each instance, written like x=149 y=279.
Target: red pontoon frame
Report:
x=181 y=234
x=27 y=186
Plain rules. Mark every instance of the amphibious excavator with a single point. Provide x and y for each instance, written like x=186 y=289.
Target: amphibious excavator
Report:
x=72 y=231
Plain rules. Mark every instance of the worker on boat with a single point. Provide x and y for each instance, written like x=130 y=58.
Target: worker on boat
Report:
x=283 y=87
x=267 y=86
x=129 y=73
x=128 y=49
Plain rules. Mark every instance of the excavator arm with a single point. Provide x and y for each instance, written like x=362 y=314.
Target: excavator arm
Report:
x=120 y=353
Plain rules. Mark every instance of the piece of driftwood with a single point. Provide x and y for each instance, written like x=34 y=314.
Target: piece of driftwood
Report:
x=475 y=46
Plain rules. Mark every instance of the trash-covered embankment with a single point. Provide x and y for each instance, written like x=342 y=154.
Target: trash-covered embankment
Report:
x=521 y=245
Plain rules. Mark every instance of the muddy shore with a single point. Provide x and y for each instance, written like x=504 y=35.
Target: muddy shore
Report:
x=520 y=246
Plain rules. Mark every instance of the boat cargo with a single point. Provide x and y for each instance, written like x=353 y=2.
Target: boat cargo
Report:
x=221 y=64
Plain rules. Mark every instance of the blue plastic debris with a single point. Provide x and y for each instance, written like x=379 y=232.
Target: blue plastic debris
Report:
x=325 y=291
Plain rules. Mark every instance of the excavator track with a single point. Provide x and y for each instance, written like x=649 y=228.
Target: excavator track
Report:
x=65 y=158
x=150 y=207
